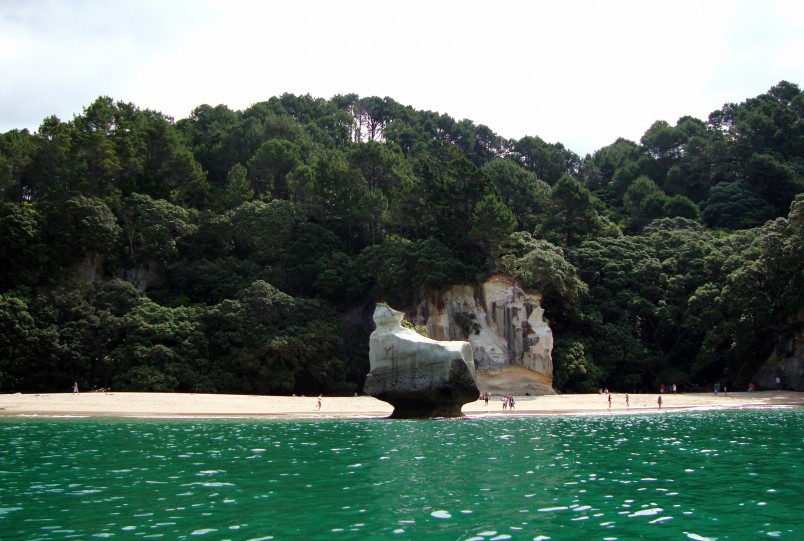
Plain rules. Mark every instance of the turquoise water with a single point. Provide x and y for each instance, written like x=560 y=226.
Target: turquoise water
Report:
x=705 y=475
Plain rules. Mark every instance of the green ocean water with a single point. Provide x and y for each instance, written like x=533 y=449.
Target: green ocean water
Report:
x=694 y=475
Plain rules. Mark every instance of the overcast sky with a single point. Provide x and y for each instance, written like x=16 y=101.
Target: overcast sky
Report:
x=582 y=73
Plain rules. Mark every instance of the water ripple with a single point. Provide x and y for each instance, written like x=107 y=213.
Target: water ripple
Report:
x=482 y=479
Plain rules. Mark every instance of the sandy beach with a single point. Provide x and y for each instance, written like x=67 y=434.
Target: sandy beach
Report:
x=173 y=405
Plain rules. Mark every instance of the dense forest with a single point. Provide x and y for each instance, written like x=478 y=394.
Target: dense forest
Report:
x=240 y=251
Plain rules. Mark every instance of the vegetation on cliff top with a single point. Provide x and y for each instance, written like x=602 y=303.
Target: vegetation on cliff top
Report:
x=232 y=251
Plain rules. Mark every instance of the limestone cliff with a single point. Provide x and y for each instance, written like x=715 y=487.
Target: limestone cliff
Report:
x=505 y=326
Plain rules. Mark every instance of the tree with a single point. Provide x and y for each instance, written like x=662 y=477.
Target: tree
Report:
x=395 y=269
x=574 y=370
x=83 y=228
x=207 y=281
x=270 y=165
x=380 y=166
x=619 y=155
x=95 y=163
x=775 y=181
x=265 y=341
x=311 y=251
x=381 y=171
x=663 y=141
x=49 y=175
x=519 y=189
x=163 y=349
x=17 y=149
x=170 y=170
x=620 y=313
x=18 y=340
x=572 y=214
x=548 y=161
x=735 y=206
x=262 y=231
x=545 y=269
x=21 y=249
x=644 y=201
x=492 y=221
x=681 y=206
x=153 y=228
x=336 y=200
x=363 y=199
x=212 y=134
x=755 y=300
x=237 y=189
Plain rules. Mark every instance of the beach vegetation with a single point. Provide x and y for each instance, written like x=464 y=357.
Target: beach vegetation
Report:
x=241 y=251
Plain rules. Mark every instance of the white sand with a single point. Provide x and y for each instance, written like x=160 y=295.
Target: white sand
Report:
x=114 y=404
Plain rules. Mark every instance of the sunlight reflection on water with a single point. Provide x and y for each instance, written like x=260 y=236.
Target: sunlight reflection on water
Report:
x=698 y=475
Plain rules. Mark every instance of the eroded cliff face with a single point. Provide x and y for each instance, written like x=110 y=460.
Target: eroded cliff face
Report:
x=505 y=326
x=787 y=360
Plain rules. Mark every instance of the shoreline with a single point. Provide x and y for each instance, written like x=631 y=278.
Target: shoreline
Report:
x=222 y=406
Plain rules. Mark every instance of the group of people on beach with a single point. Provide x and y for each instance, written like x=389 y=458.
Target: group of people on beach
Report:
x=508 y=402
x=608 y=399
x=628 y=398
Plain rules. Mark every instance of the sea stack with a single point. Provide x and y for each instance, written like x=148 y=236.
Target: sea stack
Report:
x=418 y=376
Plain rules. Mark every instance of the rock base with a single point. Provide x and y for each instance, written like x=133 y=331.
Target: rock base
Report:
x=415 y=396
x=517 y=380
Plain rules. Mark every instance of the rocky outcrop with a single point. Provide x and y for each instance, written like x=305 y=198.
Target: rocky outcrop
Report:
x=787 y=360
x=511 y=342
x=87 y=270
x=145 y=275
x=419 y=376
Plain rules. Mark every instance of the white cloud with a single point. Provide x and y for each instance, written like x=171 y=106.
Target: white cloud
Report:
x=579 y=73
x=57 y=57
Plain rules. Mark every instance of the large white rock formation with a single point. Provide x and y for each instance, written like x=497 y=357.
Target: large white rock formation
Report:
x=512 y=343
x=419 y=376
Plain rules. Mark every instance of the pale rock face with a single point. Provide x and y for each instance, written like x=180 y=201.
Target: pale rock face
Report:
x=419 y=376
x=505 y=326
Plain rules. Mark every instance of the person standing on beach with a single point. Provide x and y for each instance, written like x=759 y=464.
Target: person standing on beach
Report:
x=75 y=387
x=660 y=401
x=319 y=403
x=627 y=403
x=609 y=400
x=486 y=397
